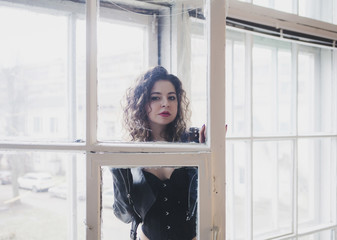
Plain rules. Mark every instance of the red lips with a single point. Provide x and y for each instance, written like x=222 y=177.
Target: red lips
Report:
x=165 y=114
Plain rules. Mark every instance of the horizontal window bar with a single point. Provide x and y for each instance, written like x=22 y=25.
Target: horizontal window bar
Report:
x=106 y=147
x=278 y=32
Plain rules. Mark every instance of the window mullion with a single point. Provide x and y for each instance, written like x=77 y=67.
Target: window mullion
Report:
x=249 y=77
x=294 y=54
x=91 y=72
x=92 y=215
x=216 y=114
x=276 y=89
x=72 y=116
x=275 y=180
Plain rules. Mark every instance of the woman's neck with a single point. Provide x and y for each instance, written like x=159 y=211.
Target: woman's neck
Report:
x=158 y=132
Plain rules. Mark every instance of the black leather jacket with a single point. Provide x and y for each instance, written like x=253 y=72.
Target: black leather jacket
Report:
x=133 y=196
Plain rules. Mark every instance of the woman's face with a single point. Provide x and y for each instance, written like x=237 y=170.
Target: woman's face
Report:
x=163 y=105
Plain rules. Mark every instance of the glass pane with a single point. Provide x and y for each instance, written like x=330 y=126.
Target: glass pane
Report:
x=319 y=10
x=316 y=182
x=316 y=92
x=164 y=200
x=272 y=188
x=111 y=226
x=273 y=88
x=327 y=234
x=41 y=74
x=135 y=36
x=42 y=195
x=280 y=5
x=238 y=182
x=237 y=86
x=198 y=86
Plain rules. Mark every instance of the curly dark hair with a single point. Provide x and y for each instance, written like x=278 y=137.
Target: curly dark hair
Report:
x=137 y=97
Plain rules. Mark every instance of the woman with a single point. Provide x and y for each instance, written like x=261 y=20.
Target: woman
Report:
x=163 y=199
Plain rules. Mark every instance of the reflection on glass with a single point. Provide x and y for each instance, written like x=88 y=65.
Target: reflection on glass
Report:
x=42 y=191
x=272 y=187
x=316 y=181
x=163 y=200
x=136 y=36
x=39 y=92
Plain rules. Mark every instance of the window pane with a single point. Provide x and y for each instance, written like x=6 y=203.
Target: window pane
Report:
x=137 y=35
x=280 y=5
x=322 y=10
x=237 y=86
x=316 y=182
x=198 y=89
x=272 y=188
x=37 y=65
x=273 y=87
x=121 y=55
x=42 y=195
x=238 y=178
x=328 y=234
x=319 y=10
x=316 y=92
x=111 y=226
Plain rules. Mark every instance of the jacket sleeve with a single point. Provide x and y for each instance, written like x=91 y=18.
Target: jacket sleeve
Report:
x=122 y=182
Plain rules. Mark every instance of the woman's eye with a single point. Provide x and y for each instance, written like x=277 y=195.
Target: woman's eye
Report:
x=154 y=98
x=172 y=98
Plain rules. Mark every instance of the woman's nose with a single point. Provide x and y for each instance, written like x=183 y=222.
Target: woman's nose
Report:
x=165 y=103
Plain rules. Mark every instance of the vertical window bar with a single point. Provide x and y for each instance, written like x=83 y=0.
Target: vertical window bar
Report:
x=276 y=184
x=216 y=106
x=276 y=87
x=91 y=72
x=72 y=176
x=334 y=143
x=92 y=205
x=231 y=221
x=249 y=77
x=294 y=87
x=333 y=181
x=294 y=55
x=334 y=84
x=334 y=12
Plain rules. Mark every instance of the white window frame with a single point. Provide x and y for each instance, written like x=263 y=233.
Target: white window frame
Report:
x=281 y=20
x=209 y=158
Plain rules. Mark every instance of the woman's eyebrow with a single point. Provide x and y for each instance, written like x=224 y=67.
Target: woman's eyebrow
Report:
x=161 y=93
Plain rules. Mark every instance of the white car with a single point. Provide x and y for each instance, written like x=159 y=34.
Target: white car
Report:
x=36 y=181
x=5 y=177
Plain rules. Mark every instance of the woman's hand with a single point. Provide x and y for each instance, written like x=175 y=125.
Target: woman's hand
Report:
x=202 y=134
